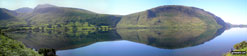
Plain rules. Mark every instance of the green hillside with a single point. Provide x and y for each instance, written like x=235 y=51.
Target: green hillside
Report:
x=70 y=17
x=171 y=16
x=60 y=18
x=8 y=19
x=62 y=15
x=47 y=16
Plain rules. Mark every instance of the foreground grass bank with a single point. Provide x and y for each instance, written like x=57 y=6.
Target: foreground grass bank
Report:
x=239 y=47
x=9 y=47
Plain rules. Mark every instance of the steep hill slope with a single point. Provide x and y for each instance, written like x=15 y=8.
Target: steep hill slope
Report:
x=48 y=14
x=171 y=16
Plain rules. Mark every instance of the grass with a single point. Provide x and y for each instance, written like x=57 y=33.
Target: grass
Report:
x=9 y=47
x=239 y=47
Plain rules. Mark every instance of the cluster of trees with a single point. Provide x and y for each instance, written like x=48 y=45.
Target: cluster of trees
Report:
x=71 y=26
x=241 y=45
x=47 y=52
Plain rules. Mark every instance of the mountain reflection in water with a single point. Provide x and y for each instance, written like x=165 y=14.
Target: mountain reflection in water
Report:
x=161 y=38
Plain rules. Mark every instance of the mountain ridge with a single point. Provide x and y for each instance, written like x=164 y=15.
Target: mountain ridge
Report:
x=162 y=16
x=24 y=10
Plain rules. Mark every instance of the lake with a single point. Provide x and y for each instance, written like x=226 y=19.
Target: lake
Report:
x=134 y=42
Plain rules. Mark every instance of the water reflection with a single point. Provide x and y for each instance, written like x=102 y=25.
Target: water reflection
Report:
x=61 y=40
x=161 y=38
x=170 y=38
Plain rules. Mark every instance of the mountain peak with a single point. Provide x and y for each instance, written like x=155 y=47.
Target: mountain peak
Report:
x=44 y=6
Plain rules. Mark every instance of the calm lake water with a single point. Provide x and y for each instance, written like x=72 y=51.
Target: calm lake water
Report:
x=135 y=42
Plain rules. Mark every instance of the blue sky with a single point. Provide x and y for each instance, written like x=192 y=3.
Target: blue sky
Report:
x=233 y=11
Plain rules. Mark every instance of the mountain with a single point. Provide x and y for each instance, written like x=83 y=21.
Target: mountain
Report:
x=48 y=14
x=5 y=14
x=51 y=16
x=171 y=16
x=44 y=6
x=24 y=10
x=168 y=16
x=239 y=25
x=8 y=18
